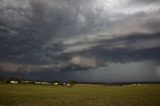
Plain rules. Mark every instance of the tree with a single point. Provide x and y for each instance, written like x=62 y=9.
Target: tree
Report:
x=72 y=82
x=2 y=79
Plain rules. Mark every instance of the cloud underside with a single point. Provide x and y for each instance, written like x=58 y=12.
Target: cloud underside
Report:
x=52 y=35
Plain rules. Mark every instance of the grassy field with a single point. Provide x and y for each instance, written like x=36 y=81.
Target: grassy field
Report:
x=39 y=95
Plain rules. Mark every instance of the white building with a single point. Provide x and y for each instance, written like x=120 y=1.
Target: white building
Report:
x=55 y=83
x=13 y=82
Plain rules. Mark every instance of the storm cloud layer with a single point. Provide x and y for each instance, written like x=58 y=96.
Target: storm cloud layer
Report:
x=71 y=35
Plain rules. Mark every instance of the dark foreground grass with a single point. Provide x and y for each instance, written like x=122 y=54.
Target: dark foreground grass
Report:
x=39 y=95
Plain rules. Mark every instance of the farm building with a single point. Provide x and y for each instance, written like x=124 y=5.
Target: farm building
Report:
x=13 y=82
x=56 y=83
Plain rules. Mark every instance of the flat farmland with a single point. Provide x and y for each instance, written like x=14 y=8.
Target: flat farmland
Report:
x=79 y=95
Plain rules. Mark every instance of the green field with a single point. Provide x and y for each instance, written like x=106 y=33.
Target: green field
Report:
x=41 y=95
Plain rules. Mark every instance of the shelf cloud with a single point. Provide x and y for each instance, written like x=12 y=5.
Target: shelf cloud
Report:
x=73 y=35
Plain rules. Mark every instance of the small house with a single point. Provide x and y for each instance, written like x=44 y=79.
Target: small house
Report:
x=14 y=82
x=55 y=83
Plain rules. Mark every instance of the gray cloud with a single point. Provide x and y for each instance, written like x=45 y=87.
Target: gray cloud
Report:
x=40 y=35
x=134 y=47
x=144 y=2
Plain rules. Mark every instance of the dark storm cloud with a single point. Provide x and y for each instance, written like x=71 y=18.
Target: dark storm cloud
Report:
x=133 y=47
x=58 y=18
x=30 y=33
x=35 y=35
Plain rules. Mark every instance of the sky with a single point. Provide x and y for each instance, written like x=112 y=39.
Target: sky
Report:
x=83 y=40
